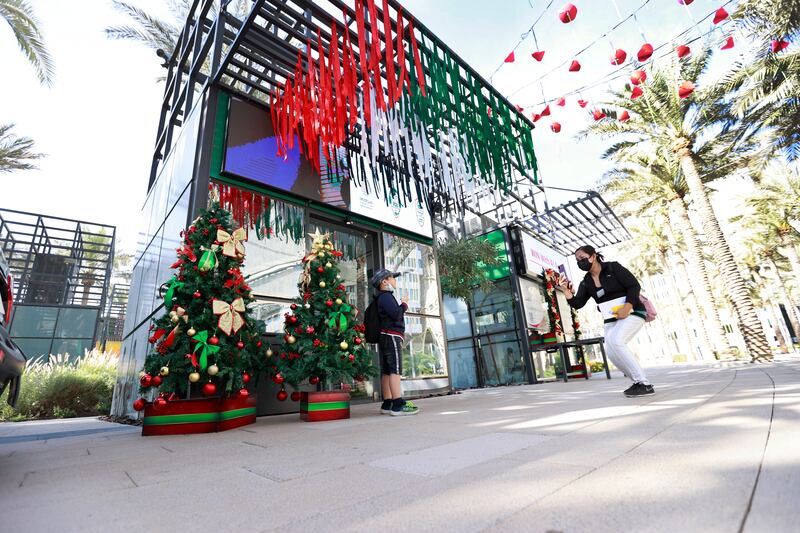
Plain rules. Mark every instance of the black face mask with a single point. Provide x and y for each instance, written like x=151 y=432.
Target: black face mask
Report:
x=584 y=264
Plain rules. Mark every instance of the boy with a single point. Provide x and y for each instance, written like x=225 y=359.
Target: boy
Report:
x=390 y=346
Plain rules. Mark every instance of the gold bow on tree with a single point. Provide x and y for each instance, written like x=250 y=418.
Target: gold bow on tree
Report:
x=230 y=320
x=232 y=243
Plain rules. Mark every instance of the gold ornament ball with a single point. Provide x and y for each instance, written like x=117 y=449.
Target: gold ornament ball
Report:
x=338 y=276
x=172 y=314
x=322 y=284
x=191 y=332
x=269 y=352
x=343 y=345
x=174 y=319
x=339 y=301
x=194 y=377
x=164 y=371
x=328 y=265
x=141 y=374
x=291 y=339
x=321 y=254
x=213 y=370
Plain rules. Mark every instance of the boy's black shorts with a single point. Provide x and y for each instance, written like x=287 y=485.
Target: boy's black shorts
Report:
x=390 y=350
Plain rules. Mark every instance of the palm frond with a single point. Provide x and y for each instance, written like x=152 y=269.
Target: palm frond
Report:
x=16 y=153
x=19 y=15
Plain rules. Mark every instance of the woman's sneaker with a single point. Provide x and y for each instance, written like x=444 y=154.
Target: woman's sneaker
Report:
x=639 y=389
x=408 y=408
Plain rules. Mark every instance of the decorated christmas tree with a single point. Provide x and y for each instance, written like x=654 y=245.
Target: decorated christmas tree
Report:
x=323 y=341
x=205 y=336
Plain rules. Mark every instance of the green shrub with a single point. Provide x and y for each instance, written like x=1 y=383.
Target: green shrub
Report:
x=65 y=387
x=679 y=358
x=596 y=366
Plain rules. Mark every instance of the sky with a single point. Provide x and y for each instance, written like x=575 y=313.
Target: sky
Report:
x=97 y=123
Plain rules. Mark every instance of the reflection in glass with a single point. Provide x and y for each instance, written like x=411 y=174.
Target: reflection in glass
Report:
x=456 y=316
x=423 y=353
x=494 y=311
x=271 y=313
x=419 y=280
x=502 y=363
x=463 y=372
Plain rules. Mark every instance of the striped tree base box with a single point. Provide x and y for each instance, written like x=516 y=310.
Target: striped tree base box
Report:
x=549 y=338
x=320 y=406
x=200 y=415
x=577 y=372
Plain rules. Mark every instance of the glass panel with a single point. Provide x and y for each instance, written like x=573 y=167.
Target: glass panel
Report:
x=71 y=346
x=271 y=313
x=34 y=321
x=76 y=323
x=494 y=311
x=355 y=265
x=183 y=155
x=534 y=306
x=502 y=360
x=546 y=364
x=566 y=317
x=456 y=318
x=272 y=264
x=462 y=364
x=34 y=348
x=419 y=280
x=423 y=353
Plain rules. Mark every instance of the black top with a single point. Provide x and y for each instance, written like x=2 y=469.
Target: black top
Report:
x=615 y=281
x=391 y=313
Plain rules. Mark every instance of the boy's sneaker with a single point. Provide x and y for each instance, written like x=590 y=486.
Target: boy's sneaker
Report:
x=386 y=407
x=639 y=389
x=408 y=408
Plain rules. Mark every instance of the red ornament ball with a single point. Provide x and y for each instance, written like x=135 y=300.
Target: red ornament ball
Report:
x=351 y=357
x=159 y=404
x=197 y=294
x=139 y=404
x=213 y=220
x=246 y=377
x=310 y=330
x=313 y=380
x=293 y=320
x=146 y=380
x=244 y=393
x=258 y=344
x=156 y=381
x=240 y=345
x=213 y=341
x=293 y=307
x=209 y=389
x=357 y=340
x=278 y=378
x=329 y=303
x=295 y=396
x=320 y=270
x=282 y=395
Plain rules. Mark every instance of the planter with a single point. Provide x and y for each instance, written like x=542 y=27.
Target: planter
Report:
x=200 y=415
x=321 y=406
x=549 y=338
x=577 y=372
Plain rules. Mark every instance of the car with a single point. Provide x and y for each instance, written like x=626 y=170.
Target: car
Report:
x=12 y=360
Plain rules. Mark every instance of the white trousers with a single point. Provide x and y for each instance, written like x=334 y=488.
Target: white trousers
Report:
x=617 y=336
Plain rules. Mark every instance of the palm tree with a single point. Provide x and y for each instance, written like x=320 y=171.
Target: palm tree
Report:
x=154 y=33
x=768 y=87
x=655 y=185
x=688 y=130
x=19 y=15
x=15 y=152
x=763 y=294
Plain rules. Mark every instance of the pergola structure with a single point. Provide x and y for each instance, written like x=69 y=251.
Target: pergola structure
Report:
x=257 y=52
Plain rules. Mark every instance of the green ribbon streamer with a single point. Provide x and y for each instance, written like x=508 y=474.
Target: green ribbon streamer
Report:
x=205 y=349
x=172 y=286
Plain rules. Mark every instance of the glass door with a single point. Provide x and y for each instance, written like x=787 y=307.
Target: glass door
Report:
x=356 y=268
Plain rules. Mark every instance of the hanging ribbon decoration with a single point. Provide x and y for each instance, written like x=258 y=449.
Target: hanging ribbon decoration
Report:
x=232 y=242
x=172 y=286
x=208 y=260
x=338 y=319
x=230 y=320
x=205 y=348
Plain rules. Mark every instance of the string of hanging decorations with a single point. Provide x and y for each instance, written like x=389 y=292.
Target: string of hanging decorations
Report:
x=414 y=124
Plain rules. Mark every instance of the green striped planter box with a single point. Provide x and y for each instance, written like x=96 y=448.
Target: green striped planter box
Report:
x=577 y=372
x=549 y=338
x=320 y=406
x=200 y=415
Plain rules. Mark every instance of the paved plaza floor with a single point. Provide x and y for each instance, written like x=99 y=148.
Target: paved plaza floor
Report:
x=716 y=449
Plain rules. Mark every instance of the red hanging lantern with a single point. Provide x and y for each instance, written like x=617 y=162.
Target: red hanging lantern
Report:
x=645 y=52
x=728 y=43
x=685 y=2
x=546 y=111
x=561 y=101
x=598 y=115
x=683 y=51
x=574 y=66
x=636 y=92
x=720 y=15
x=555 y=127
x=619 y=57
x=509 y=58
x=567 y=13
x=538 y=55
x=582 y=103
x=624 y=116
x=638 y=76
x=536 y=117
x=686 y=88
x=778 y=46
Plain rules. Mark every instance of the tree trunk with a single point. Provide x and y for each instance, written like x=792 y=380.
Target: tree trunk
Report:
x=680 y=311
x=664 y=339
x=696 y=310
x=794 y=260
x=791 y=309
x=698 y=277
x=749 y=324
